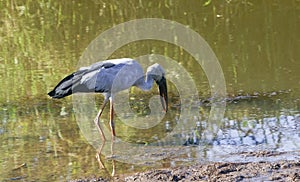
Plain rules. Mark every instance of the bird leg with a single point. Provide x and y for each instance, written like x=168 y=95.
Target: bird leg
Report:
x=96 y=121
x=98 y=156
x=111 y=122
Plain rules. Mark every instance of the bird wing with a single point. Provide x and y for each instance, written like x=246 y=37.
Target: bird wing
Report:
x=87 y=77
x=98 y=77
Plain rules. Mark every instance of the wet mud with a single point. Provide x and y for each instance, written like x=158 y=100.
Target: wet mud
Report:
x=281 y=170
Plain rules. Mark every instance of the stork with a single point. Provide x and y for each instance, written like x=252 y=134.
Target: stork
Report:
x=110 y=77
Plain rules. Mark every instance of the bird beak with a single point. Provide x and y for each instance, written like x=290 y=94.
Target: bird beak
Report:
x=163 y=92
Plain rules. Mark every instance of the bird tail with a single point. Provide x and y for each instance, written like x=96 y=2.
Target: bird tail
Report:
x=64 y=87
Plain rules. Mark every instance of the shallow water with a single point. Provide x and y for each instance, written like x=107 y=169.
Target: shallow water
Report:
x=54 y=140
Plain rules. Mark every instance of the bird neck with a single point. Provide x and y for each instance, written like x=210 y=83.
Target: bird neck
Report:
x=146 y=83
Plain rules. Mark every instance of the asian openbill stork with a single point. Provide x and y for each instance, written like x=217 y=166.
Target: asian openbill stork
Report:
x=109 y=77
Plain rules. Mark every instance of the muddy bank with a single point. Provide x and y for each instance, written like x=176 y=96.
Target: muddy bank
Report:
x=261 y=171
x=282 y=170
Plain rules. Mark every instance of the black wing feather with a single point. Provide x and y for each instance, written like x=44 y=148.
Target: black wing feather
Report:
x=73 y=82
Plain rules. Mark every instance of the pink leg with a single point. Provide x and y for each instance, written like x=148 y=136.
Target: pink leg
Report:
x=96 y=121
x=111 y=122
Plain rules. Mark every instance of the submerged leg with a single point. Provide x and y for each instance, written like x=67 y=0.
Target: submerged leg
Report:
x=98 y=155
x=96 y=121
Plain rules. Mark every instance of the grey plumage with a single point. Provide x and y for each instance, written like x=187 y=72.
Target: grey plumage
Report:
x=109 y=77
x=83 y=80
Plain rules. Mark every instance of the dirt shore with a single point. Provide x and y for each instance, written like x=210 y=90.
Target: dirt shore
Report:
x=282 y=170
x=260 y=171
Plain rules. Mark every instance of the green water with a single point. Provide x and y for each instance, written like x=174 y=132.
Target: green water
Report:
x=257 y=45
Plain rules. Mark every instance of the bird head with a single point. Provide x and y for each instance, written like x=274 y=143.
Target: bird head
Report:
x=156 y=72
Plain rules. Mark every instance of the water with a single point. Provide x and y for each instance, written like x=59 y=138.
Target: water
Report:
x=41 y=42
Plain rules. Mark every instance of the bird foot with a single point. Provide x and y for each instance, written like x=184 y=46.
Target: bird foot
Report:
x=116 y=139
